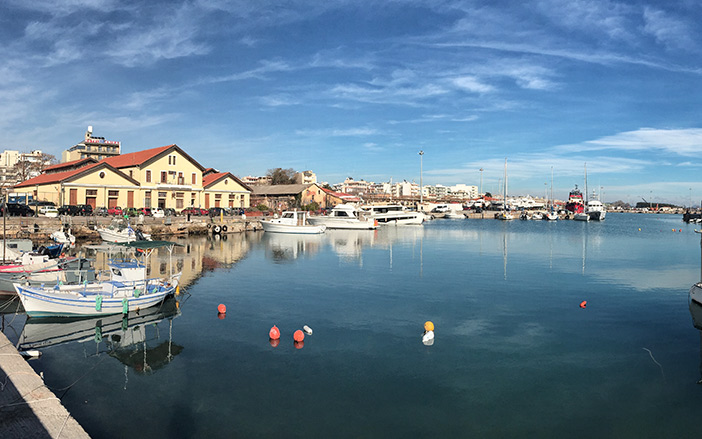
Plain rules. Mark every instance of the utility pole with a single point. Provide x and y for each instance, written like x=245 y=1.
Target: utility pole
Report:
x=480 y=194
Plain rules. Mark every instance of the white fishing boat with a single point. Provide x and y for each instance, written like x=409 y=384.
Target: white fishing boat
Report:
x=455 y=214
x=63 y=236
x=393 y=215
x=292 y=221
x=31 y=267
x=596 y=210
x=537 y=216
x=121 y=231
x=344 y=216
x=127 y=289
x=581 y=216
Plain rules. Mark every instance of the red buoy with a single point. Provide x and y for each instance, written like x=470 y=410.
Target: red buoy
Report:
x=274 y=333
x=222 y=309
x=583 y=304
x=299 y=335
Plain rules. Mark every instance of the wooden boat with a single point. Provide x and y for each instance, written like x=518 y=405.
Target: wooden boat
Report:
x=127 y=289
x=292 y=221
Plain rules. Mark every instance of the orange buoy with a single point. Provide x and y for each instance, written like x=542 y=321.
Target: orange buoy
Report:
x=428 y=326
x=275 y=342
x=274 y=333
x=299 y=335
x=222 y=309
x=299 y=344
x=583 y=304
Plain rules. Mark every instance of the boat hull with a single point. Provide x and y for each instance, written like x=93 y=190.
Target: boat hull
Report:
x=597 y=215
x=581 y=217
x=342 y=223
x=696 y=293
x=401 y=219
x=125 y=235
x=82 y=300
x=288 y=228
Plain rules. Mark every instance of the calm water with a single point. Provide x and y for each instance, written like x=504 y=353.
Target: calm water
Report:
x=514 y=353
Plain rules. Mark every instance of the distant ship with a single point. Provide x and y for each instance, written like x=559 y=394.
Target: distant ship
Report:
x=575 y=201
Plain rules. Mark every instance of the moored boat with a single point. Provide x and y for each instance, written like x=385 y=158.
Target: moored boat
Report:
x=596 y=210
x=575 y=202
x=121 y=231
x=344 y=216
x=127 y=289
x=292 y=221
x=393 y=215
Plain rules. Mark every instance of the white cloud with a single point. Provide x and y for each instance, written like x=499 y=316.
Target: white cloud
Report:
x=684 y=142
x=472 y=84
x=668 y=31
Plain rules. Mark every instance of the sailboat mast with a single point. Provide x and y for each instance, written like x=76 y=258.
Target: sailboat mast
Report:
x=551 y=197
x=504 y=192
x=586 y=195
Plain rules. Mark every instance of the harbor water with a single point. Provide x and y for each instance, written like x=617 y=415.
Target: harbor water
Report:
x=515 y=354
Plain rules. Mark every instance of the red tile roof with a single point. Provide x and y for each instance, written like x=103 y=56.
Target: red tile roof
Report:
x=136 y=158
x=55 y=177
x=69 y=164
x=213 y=178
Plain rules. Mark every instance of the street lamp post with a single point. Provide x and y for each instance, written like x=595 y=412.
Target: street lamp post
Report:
x=481 y=183
x=421 y=187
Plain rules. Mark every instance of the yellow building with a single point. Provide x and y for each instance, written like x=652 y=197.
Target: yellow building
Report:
x=164 y=177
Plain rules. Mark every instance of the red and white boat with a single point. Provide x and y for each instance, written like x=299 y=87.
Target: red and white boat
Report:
x=575 y=201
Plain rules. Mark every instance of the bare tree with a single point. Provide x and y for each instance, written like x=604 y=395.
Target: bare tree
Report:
x=281 y=176
x=30 y=165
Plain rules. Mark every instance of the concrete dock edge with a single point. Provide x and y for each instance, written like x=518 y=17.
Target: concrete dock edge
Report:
x=28 y=409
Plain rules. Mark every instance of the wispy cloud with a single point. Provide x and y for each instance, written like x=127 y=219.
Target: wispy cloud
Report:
x=684 y=142
x=338 y=132
x=669 y=31
x=472 y=84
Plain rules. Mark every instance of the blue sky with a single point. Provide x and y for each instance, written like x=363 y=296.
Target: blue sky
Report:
x=357 y=88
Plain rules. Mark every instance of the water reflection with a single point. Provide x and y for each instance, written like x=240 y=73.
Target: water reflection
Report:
x=284 y=247
x=135 y=340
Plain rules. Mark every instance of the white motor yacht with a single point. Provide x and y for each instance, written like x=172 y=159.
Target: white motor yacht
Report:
x=292 y=221
x=393 y=214
x=344 y=216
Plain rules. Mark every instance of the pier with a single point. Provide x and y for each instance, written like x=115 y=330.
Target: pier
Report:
x=28 y=409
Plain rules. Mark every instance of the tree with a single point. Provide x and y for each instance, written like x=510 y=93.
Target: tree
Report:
x=31 y=165
x=487 y=195
x=281 y=176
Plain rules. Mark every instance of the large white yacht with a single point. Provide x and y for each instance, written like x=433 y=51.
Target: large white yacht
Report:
x=596 y=210
x=344 y=216
x=393 y=214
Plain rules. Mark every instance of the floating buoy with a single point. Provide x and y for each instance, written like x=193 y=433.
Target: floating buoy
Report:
x=274 y=343
x=639 y=229
x=428 y=326
x=583 y=304
x=307 y=330
x=222 y=309
x=274 y=333
x=177 y=291
x=299 y=344
x=298 y=335
x=429 y=335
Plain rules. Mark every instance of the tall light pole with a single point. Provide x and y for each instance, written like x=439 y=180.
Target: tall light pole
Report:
x=481 y=183
x=690 y=205
x=421 y=187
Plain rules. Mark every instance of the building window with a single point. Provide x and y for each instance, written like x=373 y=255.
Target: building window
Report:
x=194 y=181
x=131 y=173
x=113 y=193
x=164 y=177
x=181 y=179
x=91 y=192
x=148 y=176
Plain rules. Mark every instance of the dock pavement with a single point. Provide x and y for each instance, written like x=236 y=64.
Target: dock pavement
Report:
x=28 y=409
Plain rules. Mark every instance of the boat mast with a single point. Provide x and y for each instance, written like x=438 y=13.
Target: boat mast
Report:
x=504 y=190
x=551 y=197
x=586 y=195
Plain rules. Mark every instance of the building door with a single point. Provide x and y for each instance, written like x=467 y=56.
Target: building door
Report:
x=130 y=198
x=91 y=201
x=73 y=197
x=207 y=201
x=111 y=202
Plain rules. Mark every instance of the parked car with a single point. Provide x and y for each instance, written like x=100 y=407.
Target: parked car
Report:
x=146 y=211
x=16 y=209
x=216 y=211
x=191 y=211
x=101 y=211
x=49 y=211
x=157 y=212
x=85 y=209
x=69 y=210
x=131 y=211
x=114 y=211
x=169 y=212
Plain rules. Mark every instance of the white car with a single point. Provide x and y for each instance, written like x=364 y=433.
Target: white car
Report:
x=49 y=211
x=157 y=212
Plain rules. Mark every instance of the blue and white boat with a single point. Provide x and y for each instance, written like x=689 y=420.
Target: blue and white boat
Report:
x=127 y=289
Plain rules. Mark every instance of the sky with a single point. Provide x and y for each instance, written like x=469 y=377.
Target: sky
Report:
x=356 y=88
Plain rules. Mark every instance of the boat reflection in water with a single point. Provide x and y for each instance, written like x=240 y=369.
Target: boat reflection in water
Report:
x=286 y=247
x=135 y=339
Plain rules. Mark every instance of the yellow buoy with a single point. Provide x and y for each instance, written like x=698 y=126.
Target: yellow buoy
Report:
x=428 y=326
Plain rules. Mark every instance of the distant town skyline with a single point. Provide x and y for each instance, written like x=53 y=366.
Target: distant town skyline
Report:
x=359 y=88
